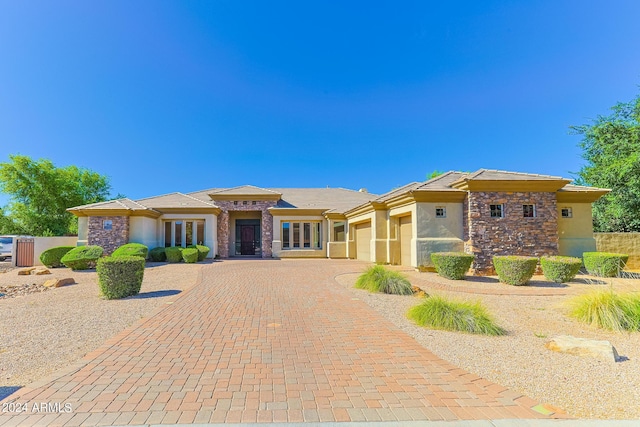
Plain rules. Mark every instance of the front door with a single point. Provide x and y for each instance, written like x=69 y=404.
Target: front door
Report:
x=247 y=243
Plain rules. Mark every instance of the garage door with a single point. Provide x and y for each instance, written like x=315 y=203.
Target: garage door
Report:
x=363 y=241
x=405 y=240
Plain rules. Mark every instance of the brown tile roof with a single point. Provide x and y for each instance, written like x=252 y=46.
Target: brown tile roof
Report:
x=331 y=199
x=117 y=204
x=176 y=200
x=498 y=175
x=244 y=190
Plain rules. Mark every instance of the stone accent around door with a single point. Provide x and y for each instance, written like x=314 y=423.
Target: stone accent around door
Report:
x=108 y=232
x=266 y=223
x=513 y=233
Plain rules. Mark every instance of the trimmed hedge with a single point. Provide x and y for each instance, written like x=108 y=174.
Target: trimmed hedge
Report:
x=560 y=269
x=202 y=251
x=120 y=276
x=190 y=255
x=173 y=253
x=82 y=257
x=604 y=264
x=131 y=249
x=515 y=270
x=157 y=254
x=452 y=265
x=51 y=257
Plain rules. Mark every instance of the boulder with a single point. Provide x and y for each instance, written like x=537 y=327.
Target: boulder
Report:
x=42 y=271
x=26 y=271
x=602 y=350
x=56 y=283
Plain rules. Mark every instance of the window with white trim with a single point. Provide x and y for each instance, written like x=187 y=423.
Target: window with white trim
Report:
x=301 y=235
x=183 y=232
x=496 y=211
x=566 y=213
x=528 y=211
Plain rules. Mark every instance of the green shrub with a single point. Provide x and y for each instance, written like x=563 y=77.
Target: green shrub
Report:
x=440 y=313
x=173 y=253
x=560 y=269
x=157 y=254
x=515 y=270
x=202 y=251
x=608 y=310
x=190 y=255
x=452 y=265
x=604 y=264
x=82 y=257
x=131 y=249
x=120 y=276
x=379 y=279
x=51 y=257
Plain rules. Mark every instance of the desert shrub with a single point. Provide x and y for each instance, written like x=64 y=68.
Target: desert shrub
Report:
x=202 y=251
x=452 y=265
x=190 y=255
x=515 y=270
x=173 y=253
x=51 y=257
x=82 y=257
x=441 y=313
x=131 y=249
x=604 y=264
x=379 y=279
x=157 y=254
x=608 y=310
x=560 y=269
x=120 y=276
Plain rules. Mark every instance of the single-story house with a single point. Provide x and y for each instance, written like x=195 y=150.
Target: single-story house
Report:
x=486 y=213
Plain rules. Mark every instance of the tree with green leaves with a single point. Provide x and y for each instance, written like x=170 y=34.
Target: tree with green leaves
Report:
x=40 y=193
x=611 y=147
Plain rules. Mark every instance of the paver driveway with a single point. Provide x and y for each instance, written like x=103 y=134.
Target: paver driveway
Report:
x=262 y=341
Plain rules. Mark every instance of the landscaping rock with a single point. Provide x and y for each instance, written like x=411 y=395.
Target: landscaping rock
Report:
x=42 y=271
x=56 y=283
x=602 y=350
x=26 y=271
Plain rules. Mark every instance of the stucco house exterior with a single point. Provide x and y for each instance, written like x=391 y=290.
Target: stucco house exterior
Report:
x=486 y=213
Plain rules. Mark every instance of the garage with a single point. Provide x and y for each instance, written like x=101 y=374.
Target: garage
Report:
x=405 y=240
x=363 y=241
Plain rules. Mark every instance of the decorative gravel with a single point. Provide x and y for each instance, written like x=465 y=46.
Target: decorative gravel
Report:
x=583 y=387
x=42 y=332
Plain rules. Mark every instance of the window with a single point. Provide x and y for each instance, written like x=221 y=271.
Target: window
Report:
x=441 y=212
x=285 y=235
x=296 y=235
x=183 y=233
x=528 y=211
x=338 y=231
x=566 y=213
x=107 y=224
x=497 y=211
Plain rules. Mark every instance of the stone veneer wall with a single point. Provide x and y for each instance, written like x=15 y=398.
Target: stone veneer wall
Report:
x=513 y=234
x=109 y=240
x=266 y=224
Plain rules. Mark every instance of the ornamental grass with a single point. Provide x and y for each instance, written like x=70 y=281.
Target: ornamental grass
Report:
x=607 y=310
x=379 y=279
x=441 y=313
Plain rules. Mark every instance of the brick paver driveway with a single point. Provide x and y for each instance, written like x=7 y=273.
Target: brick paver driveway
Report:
x=262 y=341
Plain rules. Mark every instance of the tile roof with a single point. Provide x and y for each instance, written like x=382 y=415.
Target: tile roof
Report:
x=117 y=204
x=176 y=200
x=498 y=175
x=244 y=190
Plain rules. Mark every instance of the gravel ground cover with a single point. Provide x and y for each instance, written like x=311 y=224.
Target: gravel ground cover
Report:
x=532 y=315
x=45 y=331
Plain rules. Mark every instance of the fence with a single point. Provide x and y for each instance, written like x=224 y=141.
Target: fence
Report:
x=625 y=243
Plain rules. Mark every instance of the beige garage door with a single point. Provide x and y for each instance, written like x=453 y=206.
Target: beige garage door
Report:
x=405 y=240
x=363 y=241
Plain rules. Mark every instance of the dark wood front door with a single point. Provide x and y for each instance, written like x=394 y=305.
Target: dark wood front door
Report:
x=247 y=244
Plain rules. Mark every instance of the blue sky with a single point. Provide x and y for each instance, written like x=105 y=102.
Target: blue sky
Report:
x=166 y=96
